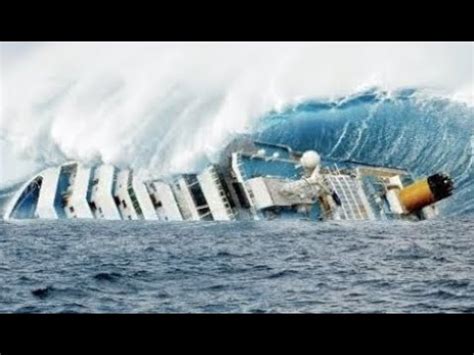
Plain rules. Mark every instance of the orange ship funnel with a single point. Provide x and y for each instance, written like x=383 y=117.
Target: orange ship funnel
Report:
x=426 y=192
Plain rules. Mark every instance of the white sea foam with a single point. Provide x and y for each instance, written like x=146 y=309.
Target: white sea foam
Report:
x=160 y=106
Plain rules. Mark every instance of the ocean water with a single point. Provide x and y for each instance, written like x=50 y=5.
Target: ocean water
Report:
x=295 y=266
x=287 y=266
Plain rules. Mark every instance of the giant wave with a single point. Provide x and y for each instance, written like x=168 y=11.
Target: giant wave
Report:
x=165 y=108
x=408 y=129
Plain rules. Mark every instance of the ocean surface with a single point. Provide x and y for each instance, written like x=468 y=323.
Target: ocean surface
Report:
x=295 y=266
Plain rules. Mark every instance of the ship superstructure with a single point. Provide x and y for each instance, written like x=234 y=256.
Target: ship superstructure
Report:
x=252 y=180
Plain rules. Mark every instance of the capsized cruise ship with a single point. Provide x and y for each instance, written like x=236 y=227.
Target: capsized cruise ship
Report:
x=252 y=180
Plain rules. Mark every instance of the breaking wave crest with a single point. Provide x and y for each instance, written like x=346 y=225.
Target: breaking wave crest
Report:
x=165 y=108
x=407 y=129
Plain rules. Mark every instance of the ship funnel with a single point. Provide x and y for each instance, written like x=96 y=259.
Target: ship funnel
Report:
x=310 y=161
x=425 y=192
